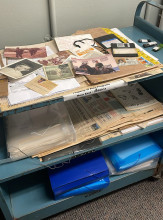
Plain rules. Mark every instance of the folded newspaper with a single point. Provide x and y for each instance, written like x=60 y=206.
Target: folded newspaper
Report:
x=96 y=115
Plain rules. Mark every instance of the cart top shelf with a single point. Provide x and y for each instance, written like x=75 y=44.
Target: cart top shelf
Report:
x=141 y=30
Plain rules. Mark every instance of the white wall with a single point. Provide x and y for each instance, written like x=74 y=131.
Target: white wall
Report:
x=27 y=21
x=71 y=15
x=23 y=22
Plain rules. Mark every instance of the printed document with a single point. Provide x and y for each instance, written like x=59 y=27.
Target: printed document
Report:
x=18 y=93
x=67 y=42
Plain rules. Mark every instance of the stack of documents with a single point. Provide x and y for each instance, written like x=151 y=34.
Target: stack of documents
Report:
x=99 y=114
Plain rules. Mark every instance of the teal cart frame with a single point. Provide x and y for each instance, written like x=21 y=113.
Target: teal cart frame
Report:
x=25 y=191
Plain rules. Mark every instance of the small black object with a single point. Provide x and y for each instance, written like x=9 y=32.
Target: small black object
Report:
x=144 y=40
x=83 y=42
x=106 y=40
x=124 y=50
x=122 y=45
x=150 y=44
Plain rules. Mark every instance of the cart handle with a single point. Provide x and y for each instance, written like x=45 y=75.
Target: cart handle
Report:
x=140 y=5
x=144 y=25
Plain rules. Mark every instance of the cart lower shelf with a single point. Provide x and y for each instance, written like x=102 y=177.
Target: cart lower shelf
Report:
x=30 y=197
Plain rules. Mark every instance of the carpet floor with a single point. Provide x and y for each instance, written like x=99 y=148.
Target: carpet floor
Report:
x=140 y=201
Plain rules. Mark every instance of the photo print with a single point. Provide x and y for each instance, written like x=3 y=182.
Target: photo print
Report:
x=25 y=52
x=20 y=69
x=59 y=72
x=95 y=66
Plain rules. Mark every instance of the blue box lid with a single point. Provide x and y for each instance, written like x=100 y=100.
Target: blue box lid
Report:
x=79 y=171
x=88 y=188
x=133 y=152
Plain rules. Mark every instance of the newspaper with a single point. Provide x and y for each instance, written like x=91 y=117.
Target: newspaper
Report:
x=131 y=128
x=97 y=114
x=133 y=97
x=94 y=115
x=102 y=114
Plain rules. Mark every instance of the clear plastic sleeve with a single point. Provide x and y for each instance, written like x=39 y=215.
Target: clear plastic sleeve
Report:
x=38 y=130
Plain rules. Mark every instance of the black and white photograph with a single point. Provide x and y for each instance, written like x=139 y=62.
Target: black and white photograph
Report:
x=59 y=72
x=20 y=69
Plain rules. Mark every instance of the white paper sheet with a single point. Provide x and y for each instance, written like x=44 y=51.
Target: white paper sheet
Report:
x=18 y=93
x=66 y=42
x=136 y=127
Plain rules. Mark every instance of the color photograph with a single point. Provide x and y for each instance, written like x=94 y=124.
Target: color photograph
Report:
x=95 y=66
x=24 y=52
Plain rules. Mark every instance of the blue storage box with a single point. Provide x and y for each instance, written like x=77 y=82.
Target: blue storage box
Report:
x=91 y=187
x=80 y=171
x=133 y=152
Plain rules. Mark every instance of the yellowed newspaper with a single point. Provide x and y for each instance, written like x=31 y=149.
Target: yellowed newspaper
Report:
x=102 y=114
x=134 y=97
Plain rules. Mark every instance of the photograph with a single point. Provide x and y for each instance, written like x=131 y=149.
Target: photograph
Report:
x=121 y=62
x=95 y=66
x=20 y=69
x=126 y=61
x=57 y=72
x=25 y=52
x=41 y=80
x=55 y=59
